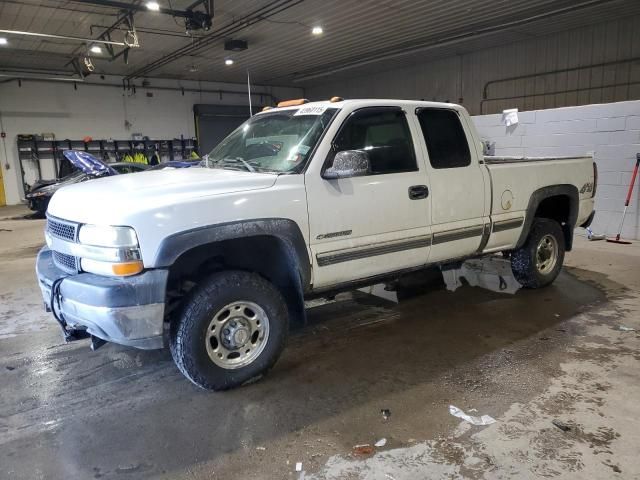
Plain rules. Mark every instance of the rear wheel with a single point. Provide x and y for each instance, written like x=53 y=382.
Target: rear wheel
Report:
x=232 y=330
x=538 y=262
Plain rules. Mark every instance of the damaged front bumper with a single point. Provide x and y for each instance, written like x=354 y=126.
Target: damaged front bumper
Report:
x=125 y=310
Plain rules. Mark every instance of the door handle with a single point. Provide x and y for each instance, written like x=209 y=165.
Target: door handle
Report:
x=417 y=192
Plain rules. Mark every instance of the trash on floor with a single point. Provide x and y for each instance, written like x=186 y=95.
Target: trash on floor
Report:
x=622 y=328
x=483 y=420
x=260 y=448
x=492 y=273
x=298 y=466
x=386 y=413
x=381 y=443
x=594 y=236
x=562 y=426
x=363 y=450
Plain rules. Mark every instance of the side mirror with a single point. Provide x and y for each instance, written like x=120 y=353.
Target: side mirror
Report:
x=347 y=164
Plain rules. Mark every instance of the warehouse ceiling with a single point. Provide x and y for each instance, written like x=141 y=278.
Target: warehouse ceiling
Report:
x=357 y=35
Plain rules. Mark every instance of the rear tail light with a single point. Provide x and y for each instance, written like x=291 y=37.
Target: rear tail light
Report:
x=595 y=179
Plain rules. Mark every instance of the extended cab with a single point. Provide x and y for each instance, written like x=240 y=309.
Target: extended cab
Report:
x=302 y=200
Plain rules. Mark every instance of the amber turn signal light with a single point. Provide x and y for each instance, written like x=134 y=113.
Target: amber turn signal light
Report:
x=128 y=268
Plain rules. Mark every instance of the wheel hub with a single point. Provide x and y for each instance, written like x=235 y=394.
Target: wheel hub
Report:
x=546 y=254
x=237 y=334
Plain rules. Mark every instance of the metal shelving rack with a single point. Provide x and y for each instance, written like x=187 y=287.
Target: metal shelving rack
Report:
x=33 y=150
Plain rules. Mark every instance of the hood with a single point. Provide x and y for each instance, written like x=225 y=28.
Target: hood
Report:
x=87 y=163
x=114 y=200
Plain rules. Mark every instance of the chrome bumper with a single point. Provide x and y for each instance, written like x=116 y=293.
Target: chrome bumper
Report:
x=128 y=311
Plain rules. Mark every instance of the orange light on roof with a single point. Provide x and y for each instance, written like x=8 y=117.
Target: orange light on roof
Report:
x=336 y=99
x=127 y=268
x=264 y=109
x=293 y=103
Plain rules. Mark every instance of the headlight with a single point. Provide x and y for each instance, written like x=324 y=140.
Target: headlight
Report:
x=105 y=236
x=106 y=250
x=37 y=194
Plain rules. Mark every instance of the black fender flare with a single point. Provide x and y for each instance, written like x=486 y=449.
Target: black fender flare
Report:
x=286 y=230
x=538 y=196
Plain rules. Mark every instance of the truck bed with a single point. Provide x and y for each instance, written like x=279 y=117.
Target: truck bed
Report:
x=515 y=180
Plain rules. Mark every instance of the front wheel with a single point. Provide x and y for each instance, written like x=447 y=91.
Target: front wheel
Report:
x=538 y=262
x=232 y=330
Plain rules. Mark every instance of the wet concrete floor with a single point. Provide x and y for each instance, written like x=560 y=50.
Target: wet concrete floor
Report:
x=525 y=359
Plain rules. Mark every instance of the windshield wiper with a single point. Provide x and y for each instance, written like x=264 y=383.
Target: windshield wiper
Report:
x=245 y=164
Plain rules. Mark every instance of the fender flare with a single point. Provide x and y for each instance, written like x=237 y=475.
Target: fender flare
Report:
x=543 y=193
x=286 y=230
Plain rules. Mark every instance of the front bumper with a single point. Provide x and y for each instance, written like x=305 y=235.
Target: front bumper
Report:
x=126 y=310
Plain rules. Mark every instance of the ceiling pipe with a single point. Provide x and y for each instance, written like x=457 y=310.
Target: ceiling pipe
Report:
x=35 y=76
x=220 y=92
x=64 y=37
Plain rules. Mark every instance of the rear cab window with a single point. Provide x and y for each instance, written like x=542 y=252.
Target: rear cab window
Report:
x=445 y=138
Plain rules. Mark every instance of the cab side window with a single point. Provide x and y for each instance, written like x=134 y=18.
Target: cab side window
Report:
x=383 y=133
x=445 y=138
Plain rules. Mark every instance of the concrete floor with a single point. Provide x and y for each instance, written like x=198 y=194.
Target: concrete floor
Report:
x=526 y=360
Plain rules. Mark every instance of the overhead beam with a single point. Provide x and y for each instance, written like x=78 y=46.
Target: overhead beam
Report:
x=188 y=13
x=63 y=37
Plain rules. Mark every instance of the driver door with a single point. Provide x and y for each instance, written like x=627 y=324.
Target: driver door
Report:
x=368 y=225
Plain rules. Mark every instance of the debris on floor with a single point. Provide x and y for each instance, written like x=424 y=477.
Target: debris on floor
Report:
x=483 y=420
x=562 y=426
x=381 y=443
x=622 y=328
x=386 y=413
x=363 y=450
x=298 y=466
x=491 y=273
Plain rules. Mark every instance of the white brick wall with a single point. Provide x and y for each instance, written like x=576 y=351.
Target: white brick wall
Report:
x=610 y=131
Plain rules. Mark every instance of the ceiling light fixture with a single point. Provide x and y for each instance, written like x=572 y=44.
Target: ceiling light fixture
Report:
x=3 y=41
x=96 y=49
x=317 y=30
x=153 y=6
x=228 y=61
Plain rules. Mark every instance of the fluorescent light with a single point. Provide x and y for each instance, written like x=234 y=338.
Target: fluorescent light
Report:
x=96 y=49
x=154 y=6
x=3 y=41
x=228 y=61
x=317 y=30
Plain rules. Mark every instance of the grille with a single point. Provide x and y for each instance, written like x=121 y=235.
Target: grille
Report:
x=64 y=230
x=65 y=262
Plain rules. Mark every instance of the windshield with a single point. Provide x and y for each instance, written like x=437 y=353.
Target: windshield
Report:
x=277 y=142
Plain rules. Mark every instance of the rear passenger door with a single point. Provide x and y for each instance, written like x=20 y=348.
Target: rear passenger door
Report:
x=457 y=184
x=373 y=224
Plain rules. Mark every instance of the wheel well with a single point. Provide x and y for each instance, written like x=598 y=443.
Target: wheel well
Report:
x=558 y=208
x=266 y=255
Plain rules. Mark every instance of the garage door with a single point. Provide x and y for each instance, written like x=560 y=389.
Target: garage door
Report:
x=214 y=122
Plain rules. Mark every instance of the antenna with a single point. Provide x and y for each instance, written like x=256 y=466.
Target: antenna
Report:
x=249 y=91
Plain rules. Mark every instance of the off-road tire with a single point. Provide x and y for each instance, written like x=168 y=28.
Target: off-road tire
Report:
x=188 y=332
x=523 y=260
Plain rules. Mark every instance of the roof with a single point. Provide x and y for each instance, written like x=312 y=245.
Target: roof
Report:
x=371 y=102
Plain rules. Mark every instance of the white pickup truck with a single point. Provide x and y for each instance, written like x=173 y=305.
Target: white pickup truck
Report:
x=301 y=201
